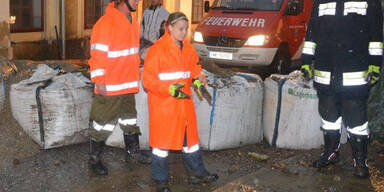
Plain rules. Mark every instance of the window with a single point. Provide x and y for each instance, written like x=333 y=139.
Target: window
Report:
x=29 y=15
x=94 y=9
x=197 y=10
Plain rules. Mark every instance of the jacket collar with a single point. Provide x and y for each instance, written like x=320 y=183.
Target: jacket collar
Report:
x=111 y=11
x=168 y=42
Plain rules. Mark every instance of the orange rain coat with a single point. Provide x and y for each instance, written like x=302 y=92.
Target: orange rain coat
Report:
x=170 y=118
x=114 y=53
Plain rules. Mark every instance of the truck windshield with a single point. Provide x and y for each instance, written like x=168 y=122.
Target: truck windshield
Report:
x=258 y=5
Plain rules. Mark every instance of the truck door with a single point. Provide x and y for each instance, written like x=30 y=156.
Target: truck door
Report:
x=296 y=23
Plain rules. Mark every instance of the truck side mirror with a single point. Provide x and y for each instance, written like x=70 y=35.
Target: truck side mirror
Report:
x=206 y=6
x=294 y=8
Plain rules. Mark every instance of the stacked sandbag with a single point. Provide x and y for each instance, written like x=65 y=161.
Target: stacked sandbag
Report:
x=235 y=117
x=290 y=117
x=53 y=109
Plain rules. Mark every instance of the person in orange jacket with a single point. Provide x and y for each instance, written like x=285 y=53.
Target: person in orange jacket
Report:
x=171 y=66
x=114 y=66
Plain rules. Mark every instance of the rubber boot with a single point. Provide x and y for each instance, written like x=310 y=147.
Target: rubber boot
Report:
x=359 y=144
x=160 y=172
x=330 y=154
x=162 y=186
x=194 y=164
x=95 y=164
x=133 y=152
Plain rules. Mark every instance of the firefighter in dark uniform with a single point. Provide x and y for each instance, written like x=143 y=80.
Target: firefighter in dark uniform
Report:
x=342 y=52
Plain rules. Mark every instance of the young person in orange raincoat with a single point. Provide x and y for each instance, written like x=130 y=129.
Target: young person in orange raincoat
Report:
x=170 y=68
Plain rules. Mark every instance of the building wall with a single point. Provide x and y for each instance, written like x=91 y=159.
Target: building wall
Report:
x=5 y=46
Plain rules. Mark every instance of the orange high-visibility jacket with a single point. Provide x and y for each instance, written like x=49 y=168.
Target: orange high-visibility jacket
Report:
x=114 y=53
x=170 y=118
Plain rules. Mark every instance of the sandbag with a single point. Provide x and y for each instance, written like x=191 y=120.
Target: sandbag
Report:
x=375 y=110
x=53 y=109
x=235 y=117
x=290 y=117
x=116 y=138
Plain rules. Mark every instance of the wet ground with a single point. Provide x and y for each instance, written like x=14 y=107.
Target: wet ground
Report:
x=24 y=167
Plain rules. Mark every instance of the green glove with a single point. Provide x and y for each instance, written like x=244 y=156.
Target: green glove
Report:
x=373 y=74
x=175 y=91
x=201 y=91
x=307 y=72
x=198 y=84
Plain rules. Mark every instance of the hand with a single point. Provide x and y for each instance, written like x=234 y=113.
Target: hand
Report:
x=306 y=72
x=201 y=91
x=175 y=91
x=101 y=89
x=202 y=79
x=373 y=74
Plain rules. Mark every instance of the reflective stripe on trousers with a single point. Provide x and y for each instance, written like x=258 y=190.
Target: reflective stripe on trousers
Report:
x=358 y=130
x=110 y=127
x=349 y=78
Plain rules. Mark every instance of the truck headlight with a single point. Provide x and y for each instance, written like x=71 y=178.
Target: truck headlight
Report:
x=198 y=37
x=256 y=40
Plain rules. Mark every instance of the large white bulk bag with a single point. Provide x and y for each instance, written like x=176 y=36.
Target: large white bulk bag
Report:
x=116 y=138
x=295 y=123
x=65 y=107
x=235 y=117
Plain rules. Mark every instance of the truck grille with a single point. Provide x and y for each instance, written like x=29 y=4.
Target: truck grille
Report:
x=224 y=41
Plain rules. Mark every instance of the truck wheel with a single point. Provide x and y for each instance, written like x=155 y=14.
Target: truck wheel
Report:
x=281 y=63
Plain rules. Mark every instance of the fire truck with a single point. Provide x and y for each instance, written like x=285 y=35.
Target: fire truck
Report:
x=253 y=32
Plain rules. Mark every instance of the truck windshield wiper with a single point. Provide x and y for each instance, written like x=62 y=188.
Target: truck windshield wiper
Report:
x=229 y=8
x=247 y=8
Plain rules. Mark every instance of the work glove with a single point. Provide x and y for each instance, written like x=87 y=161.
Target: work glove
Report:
x=175 y=91
x=306 y=72
x=373 y=74
x=201 y=91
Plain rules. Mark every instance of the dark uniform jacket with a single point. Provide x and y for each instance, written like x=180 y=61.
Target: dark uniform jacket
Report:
x=343 y=38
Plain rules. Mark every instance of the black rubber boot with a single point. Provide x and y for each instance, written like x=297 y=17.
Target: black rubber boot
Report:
x=208 y=178
x=359 y=144
x=95 y=163
x=330 y=154
x=162 y=186
x=194 y=164
x=133 y=151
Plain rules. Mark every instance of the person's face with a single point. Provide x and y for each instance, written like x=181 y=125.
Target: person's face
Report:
x=179 y=30
x=134 y=3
